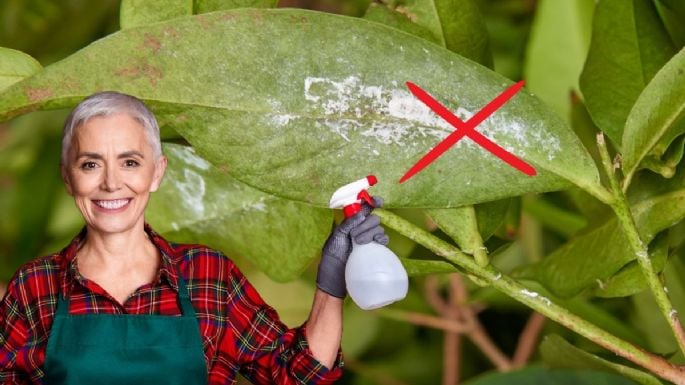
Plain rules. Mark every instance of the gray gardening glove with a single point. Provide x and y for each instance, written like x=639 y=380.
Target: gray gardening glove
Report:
x=363 y=228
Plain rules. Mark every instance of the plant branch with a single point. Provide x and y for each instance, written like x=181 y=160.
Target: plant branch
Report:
x=534 y=300
x=528 y=339
x=625 y=218
x=424 y=320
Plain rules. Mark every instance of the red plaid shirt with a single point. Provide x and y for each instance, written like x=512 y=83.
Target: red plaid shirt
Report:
x=240 y=333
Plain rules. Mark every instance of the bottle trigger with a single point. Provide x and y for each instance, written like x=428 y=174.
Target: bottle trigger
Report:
x=364 y=195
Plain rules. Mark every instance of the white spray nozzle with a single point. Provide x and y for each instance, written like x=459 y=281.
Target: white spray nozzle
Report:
x=349 y=194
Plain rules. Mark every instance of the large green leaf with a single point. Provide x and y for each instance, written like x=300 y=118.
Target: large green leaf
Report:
x=135 y=13
x=599 y=253
x=454 y=24
x=557 y=352
x=629 y=45
x=198 y=203
x=286 y=103
x=15 y=66
x=543 y=376
x=204 y=6
x=556 y=51
x=657 y=117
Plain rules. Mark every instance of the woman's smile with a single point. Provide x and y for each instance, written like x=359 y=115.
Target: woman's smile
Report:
x=112 y=205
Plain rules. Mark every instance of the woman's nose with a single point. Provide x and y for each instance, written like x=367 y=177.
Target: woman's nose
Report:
x=111 y=180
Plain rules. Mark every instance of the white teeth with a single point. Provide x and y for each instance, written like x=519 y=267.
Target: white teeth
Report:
x=113 y=204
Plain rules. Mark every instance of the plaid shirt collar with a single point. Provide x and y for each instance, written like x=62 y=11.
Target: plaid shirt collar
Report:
x=168 y=268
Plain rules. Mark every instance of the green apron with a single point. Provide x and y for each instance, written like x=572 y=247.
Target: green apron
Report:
x=120 y=349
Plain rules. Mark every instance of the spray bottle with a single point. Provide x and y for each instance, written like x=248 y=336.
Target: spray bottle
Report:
x=374 y=276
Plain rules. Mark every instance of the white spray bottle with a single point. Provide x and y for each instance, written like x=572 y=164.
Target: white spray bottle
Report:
x=374 y=276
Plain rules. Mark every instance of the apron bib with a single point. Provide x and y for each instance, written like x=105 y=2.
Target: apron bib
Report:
x=109 y=349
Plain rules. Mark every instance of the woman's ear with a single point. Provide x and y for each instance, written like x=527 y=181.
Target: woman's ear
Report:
x=160 y=168
x=65 y=179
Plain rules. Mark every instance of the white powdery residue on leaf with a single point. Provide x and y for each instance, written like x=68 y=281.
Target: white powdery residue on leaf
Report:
x=260 y=205
x=673 y=313
x=342 y=126
x=533 y=294
x=190 y=157
x=192 y=190
x=282 y=120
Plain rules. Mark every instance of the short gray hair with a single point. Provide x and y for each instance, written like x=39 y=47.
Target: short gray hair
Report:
x=106 y=104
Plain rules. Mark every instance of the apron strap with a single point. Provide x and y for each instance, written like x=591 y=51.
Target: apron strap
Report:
x=184 y=297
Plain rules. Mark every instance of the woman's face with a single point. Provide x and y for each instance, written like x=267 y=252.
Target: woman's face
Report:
x=111 y=170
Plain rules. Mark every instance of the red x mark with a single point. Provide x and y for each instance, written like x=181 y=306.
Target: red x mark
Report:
x=466 y=129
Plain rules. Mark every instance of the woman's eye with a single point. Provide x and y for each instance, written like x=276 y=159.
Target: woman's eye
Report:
x=131 y=163
x=88 y=165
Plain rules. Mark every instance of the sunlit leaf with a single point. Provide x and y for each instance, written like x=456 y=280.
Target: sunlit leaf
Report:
x=199 y=203
x=454 y=24
x=556 y=51
x=286 y=103
x=629 y=45
x=559 y=353
x=15 y=66
x=657 y=117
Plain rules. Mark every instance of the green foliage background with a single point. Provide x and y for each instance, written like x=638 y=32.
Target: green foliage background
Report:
x=263 y=160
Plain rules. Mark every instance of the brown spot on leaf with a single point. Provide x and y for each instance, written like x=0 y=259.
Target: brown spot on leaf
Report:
x=228 y=17
x=151 y=72
x=203 y=21
x=298 y=19
x=257 y=17
x=171 y=32
x=152 y=43
x=406 y=12
x=36 y=94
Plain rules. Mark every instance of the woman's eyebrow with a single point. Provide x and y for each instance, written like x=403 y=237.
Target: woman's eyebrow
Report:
x=94 y=155
x=128 y=154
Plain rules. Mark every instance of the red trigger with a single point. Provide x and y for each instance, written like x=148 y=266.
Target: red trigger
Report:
x=364 y=195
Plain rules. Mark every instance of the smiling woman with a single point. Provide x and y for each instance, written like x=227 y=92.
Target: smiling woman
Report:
x=120 y=304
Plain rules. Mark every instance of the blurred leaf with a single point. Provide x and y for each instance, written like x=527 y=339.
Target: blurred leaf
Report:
x=361 y=327
x=15 y=66
x=600 y=252
x=672 y=19
x=36 y=194
x=629 y=45
x=556 y=51
x=543 y=376
x=204 y=6
x=657 y=117
x=49 y=30
x=198 y=203
x=677 y=6
x=336 y=111
x=630 y=279
x=454 y=24
x=559 y=353
x=561 y=221
x=292 y=300
x=584 y=127
x=135 y=13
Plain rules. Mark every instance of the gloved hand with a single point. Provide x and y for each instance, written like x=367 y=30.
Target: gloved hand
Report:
x=363 y=227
